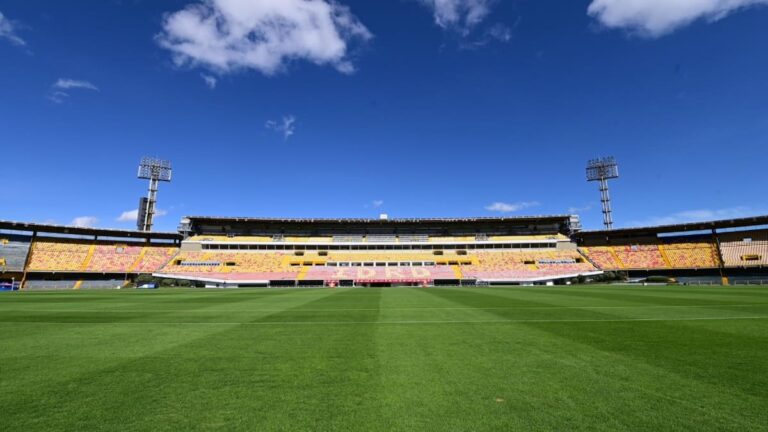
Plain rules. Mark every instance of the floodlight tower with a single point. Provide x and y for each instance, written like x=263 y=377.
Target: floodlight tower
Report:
x=156 y=171
x=602 y=170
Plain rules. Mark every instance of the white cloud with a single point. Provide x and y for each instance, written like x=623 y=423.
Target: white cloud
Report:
x=66 y=84
x=503 y=207
x=576 y=210
x=210 y=80
x=132 y=215
x=84 y=221
x=227 y=35
x=459 y=14
x=59 y=95
x=654 y=18
x=698 y=216
x=8 y=31
x=128 y=216
x=377 y=203
x=287 y=126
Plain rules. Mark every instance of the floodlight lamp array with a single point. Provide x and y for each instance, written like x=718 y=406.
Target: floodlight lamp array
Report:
x=601 y=169
x=155 y=169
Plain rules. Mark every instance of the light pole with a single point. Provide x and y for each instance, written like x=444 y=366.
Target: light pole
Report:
x=602 y=170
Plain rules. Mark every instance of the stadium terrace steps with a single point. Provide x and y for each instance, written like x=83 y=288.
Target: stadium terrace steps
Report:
x=457 y=272
x=138 y=260
x=13 y=252
x=88 y=258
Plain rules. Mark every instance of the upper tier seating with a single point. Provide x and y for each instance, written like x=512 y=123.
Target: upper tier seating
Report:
x=348 y=238
x=413 y=238
x=13 y=252
x=529 y=237
x=452 y=239
x=383 y=256
x=223 y=238
x=381 y=238
x=309 y=239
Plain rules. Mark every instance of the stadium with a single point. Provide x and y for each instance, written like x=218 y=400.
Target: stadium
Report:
x=356 y=215
x=385 y=324
x=258 y=252
x=256 y=323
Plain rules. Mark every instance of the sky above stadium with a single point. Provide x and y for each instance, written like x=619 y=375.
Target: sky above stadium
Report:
x=352 y=108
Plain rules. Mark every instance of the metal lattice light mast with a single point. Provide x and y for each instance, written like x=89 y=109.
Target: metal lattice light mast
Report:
x=154 y=170
x=602 y=170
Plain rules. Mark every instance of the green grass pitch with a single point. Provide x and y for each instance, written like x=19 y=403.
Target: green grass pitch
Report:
x=444 y=359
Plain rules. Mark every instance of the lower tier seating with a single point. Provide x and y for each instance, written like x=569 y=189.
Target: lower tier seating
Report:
x=70 y=256
x=745 y=253
x=380 y=274
x=378 y=266
x=233 y=265
x=692 y=255
x=652 y=257
x=527 y=265
x=50 y=255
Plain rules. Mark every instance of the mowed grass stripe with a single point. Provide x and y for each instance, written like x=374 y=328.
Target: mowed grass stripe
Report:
x=342 y=310
x=739 y=387
x=411 y=322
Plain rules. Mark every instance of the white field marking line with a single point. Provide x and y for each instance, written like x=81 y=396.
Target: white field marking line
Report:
x=384 y=309
x=289 y=323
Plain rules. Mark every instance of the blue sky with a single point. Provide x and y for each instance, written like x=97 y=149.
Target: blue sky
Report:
x=415 y=108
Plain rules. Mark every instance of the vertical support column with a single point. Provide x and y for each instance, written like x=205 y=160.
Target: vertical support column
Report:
x=605 y=199
x=151 y=198
x=720 y=258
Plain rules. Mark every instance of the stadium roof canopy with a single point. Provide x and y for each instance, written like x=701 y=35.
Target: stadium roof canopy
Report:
x=209 y=225
x=84 y=231
x=674 y=228
x=377 y=221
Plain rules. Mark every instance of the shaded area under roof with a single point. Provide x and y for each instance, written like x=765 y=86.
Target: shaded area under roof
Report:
x=675 y=228
x=73 y=230
x=543 y=218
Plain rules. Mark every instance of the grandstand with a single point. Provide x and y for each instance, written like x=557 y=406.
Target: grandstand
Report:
x=236 y=252
x=44 y=256
x=250 y=251
x=735 y=248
